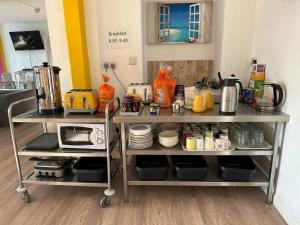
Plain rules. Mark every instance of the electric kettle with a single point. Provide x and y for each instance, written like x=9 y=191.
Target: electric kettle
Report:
x=271 y=98
x=230 y=95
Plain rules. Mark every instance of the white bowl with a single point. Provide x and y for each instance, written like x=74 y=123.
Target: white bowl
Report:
x=169 y=126
x=168 y=138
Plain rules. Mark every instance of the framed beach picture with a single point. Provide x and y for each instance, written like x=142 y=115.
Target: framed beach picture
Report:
x=186 y=22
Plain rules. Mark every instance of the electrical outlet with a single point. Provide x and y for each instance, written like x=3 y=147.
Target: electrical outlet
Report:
x=133 y=60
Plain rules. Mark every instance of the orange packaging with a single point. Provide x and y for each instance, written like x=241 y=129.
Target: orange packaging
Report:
x=106 y=94
x=171 y=83
x=161 y=90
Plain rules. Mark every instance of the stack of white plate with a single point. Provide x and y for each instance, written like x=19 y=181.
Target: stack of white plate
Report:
x=140 y=136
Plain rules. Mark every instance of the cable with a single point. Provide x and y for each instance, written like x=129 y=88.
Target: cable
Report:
x=119 y=79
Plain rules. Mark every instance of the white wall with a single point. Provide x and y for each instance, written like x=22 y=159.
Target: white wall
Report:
x=276 y=43
x=100 y=16
x=115 y=15
x=18 y=60
x=237 y=38
x=58 y=40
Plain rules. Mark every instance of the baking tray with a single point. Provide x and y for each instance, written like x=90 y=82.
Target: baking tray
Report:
x=46 y=141
x=131 y=113
x=232 y=148
x=265 y=146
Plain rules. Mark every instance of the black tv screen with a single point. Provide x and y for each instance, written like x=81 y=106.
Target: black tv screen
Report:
x=27 y=40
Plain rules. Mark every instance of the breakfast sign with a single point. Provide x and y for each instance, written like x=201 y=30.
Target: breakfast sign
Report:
x=117 y=38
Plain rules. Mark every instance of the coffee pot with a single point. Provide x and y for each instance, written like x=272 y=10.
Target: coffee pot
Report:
x=230 y=95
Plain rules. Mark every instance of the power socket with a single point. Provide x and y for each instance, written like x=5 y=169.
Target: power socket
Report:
x=109 y=64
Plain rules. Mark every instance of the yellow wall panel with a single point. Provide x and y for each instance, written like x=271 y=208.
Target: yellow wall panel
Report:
x=76 y=37
x=2 y=59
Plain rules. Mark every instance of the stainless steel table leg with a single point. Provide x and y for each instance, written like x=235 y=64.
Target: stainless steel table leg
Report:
x=45 y=129
x=274 y=163
x=124 y=160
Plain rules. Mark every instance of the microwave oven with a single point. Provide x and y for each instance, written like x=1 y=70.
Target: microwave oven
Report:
x=83 y=136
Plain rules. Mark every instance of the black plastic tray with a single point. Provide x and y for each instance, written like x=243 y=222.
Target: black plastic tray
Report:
x=90 y=169
x=236 y=168
x=47 y=141
x=189 y=168
x=151 y=167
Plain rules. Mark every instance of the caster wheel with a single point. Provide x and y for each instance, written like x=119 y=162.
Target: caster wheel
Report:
x=26 y=197
x=105 y=201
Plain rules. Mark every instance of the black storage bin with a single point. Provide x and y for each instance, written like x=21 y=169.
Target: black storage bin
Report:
x=90 y=169
x=236 y=168
x=151 y=167
x=189 y=168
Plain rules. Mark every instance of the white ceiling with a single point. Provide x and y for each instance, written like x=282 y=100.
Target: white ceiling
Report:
x=14 y=11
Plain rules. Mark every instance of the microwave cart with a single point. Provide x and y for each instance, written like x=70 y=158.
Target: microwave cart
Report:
x=95 y=139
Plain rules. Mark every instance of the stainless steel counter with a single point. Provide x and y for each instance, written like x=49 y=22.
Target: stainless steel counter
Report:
x=244 y=113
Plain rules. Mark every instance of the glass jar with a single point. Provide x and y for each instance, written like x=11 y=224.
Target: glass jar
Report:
x=199 y=104
x=209 y=98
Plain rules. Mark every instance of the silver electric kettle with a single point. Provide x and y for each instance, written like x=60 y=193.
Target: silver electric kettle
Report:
x=230 y=95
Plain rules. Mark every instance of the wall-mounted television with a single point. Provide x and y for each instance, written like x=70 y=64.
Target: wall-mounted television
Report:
x=27 y=40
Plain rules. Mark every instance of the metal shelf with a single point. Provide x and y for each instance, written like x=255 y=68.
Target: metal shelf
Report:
x=67 y=180
x=62 y=153
x=212 y=179
x=157 y=149
x=34 y=117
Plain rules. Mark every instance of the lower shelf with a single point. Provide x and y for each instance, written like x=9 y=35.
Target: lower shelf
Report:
x=212 y=178
x=67 y=180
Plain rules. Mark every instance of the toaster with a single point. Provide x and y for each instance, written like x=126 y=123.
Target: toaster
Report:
x=81 y=101
x=144 y=90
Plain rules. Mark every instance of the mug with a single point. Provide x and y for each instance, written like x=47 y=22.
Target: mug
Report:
x=219 y=144
x=190 y=143
x=209 y=143
x=226 y=140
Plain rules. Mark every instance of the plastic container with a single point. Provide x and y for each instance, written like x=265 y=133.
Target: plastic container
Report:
x=236 y=168
x=106 y=94
x=189 y=168
x=161 y=90
x=90 y=169
x=151 y=167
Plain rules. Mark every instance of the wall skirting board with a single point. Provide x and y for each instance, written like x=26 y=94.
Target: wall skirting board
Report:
x=284 y=212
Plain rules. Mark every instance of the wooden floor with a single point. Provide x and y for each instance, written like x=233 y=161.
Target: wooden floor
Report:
x=148 y=205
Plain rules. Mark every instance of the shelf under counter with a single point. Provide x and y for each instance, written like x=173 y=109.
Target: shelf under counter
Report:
x=212 y=179
x=34 y=117
x=67 y=180
x=62 y=153
x=157 y=149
